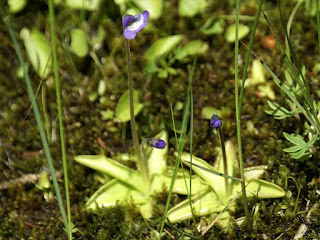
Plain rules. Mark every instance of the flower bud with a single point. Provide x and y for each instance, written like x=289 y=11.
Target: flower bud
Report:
x=215 y=121
x=156 y=143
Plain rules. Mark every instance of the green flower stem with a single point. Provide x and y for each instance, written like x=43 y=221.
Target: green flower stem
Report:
x=142 y=163
x=224 y=158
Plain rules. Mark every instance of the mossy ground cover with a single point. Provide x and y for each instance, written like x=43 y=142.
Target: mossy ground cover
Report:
x=25 y=214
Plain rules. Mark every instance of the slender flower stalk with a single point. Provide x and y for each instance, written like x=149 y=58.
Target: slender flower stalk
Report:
x=216 y=123
x=132 y=25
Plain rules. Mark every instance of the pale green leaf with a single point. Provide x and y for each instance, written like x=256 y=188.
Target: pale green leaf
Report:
x=254 y=172
x=16 y=5
x=162 y=46
x=116 y=193
x=180 y=185
x=215 y=181
x=155 y=7
x=203 y=204
x=212 y=29
x=189 y=8
x=293 y=149
x=230 y=33
x=78 y=43
x=298 y=154
x=122 y=112
x=293 y=139
x=280 y=112
x=107 y=165
x=44 y=182
x=109 y=195
x=38 y=50
x=207 y=112
x=90 y=5
x=192 y=48
x=260 y=188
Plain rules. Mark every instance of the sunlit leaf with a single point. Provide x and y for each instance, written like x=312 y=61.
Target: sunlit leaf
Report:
x=189 y=8
x=230 y=33
x=162 y=47
x=79 y=44
x=122 y=112
x=155 y=7
x=16 y=5
x=38 y=50
x=203 y=204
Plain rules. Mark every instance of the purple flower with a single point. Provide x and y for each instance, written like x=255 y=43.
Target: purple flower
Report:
x=156 y=142
x=215 y=121
x=134 y=24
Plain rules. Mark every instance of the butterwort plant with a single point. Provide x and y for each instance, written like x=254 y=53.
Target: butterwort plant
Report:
x=218 y=198
x=153 y=175
x=126 y=187
x=132 y=25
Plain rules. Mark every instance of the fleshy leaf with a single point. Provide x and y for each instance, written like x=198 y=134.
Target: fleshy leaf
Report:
x=79 y=44
x=115 y=193
x=189 y=8
x=16 y=5
x=203 y=204
x=216 y=182
x=197 y=184
x=260 y=188
x=38 y=50
x=162 y=47
x=155 y=7
x=90 y=5
x=230 y=32
x=207 y=111
x=192 y=48
x=123 y=106
x=112 y=168
x=212 y=27
x=254 y=172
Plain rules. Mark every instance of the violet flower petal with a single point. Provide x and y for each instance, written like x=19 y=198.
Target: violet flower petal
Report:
x=134 y=24
x=129 y=34
x=126 y=19
x=145 y=15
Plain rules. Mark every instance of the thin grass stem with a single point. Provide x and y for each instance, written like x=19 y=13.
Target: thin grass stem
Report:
x=241 y=164
x=38 y=120
x=59 y=106
x=181 y=142
x=318 y=25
